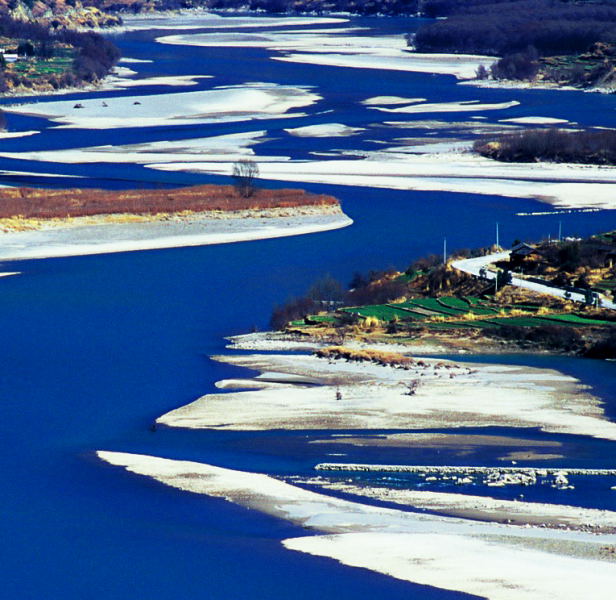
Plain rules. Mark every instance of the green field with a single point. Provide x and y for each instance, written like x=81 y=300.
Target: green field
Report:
x=60 y=63
x=448 y=307
x=452 y=302
x=575 y=320
x=382 y=312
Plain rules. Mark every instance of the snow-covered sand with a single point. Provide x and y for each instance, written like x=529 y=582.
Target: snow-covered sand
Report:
x=535 y=121
x=233 y=103
x=278 y=341
x=195 y=231
x=391 y=100
x=121 y=81
x=438 y=107
x=495 y=561
x=451 y=395
x=6 y=135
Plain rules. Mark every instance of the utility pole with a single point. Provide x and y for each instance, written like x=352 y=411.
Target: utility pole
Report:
x=445 y=251
x=497 y=236
x=560 y=231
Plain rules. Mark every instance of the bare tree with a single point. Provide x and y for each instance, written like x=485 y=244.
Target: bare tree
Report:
x=245 y=172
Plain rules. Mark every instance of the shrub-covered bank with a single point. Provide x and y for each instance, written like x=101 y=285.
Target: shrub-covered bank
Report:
x=555 y=41
x=432 y=302
x=50 y=58
x=554 y=145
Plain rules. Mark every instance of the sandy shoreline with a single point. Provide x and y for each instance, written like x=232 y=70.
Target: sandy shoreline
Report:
x=450 y=395
x=481 y=508
x=562 y=185
x=492 y=547
x=197 y=230
x=500 y=562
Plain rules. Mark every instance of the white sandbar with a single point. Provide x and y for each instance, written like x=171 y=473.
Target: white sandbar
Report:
x=325 y=130
x=495 y=561
x=233 y=103
x=535 y=121
x=562 y=185
x=340 y=48
x=127 y=237
x=451 y=395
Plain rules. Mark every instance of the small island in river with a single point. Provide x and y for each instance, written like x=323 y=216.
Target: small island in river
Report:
x=553 y=296
x=41 y=223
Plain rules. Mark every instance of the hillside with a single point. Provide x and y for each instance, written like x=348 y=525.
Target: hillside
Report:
x=433 y=303
x=552 y=41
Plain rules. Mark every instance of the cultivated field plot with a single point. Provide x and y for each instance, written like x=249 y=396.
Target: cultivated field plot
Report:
x=449 y=312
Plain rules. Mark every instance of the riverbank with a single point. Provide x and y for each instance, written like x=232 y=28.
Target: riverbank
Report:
x=427 y=392
x=486 y=559
x=126 y=233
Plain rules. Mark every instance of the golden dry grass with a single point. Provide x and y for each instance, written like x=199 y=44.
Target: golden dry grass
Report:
x=366 y=355
x=30 y=203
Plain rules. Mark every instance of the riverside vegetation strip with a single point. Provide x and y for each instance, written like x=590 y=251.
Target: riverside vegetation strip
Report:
x=43 y=223
x=434 y=303
x=24 y=204
x=49 y=57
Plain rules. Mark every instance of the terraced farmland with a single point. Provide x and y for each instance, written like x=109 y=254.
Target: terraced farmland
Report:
x=448 y=313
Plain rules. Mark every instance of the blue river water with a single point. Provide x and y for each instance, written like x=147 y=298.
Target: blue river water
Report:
x=95 y=348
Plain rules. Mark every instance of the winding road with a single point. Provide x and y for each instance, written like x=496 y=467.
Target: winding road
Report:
x=474 y=266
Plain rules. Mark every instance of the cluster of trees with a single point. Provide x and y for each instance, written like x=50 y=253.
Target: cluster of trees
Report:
x=505 y=27
x=572 y=260
x=327 y=293
x=426 y=275
x=323 y=294
x=376 y=287
x=555 y=145
x=605 y=348
x=602 y=344
x=553 y=337
x=94 y=55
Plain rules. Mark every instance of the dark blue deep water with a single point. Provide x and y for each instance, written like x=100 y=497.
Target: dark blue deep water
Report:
x=93 y=349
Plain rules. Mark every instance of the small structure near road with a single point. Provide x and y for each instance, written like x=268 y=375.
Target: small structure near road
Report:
x=522 y=254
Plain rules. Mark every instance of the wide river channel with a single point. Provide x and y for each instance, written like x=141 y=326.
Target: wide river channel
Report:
x=94 y=348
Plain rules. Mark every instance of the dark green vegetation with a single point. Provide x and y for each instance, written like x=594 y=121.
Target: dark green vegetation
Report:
x=432 y=299
x=51 y=58
x=549 y=40
x=497 y=28
x=596 y=147
x=588 y=264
